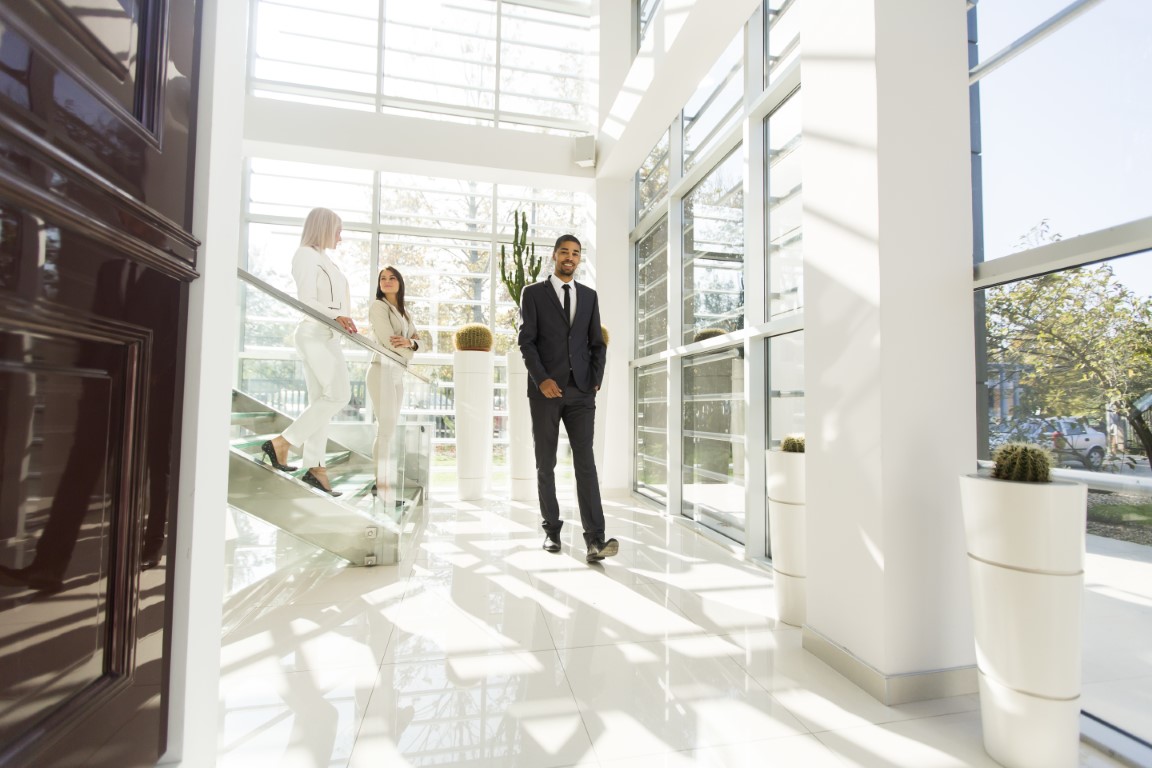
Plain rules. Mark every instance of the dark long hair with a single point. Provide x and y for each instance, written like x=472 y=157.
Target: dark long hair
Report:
x=399 y=293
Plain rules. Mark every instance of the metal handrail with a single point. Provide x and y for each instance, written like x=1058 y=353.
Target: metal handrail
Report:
x=303 y=308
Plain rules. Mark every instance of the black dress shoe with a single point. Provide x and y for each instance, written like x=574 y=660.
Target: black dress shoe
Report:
x=270 y=454
x=598 y=550
x=314 y=481
x=551 y=542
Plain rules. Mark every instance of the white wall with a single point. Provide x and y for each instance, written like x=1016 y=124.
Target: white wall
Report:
x=888 y=314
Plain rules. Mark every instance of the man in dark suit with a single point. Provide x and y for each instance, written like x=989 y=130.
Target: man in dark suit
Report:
x=563 y=350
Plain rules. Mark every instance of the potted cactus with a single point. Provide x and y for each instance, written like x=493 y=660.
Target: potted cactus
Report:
x=523 y=270
x=472 y=363
x=1025 y=540
x=788 y=528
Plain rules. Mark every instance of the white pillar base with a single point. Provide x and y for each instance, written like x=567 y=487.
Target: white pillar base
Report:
x=1025 y=731
x=470 y=489
x=524 y=489
x=791 y=598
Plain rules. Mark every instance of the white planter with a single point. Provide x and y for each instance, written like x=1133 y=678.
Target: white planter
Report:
x=788 y=534
x=521 y=450
x=1026 y=567
x=473 y=384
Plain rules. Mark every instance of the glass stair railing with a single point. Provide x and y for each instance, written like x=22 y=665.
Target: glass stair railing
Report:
x=365 y=525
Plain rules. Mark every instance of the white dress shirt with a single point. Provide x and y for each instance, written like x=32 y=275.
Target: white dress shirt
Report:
x=559 y=284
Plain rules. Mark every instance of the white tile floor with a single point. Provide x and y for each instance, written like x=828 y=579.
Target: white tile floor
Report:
x=481 y=649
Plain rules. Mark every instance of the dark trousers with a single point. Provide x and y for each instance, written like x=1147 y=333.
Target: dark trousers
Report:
x=578 y=412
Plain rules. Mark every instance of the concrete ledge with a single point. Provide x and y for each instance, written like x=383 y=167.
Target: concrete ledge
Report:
x=891 y=689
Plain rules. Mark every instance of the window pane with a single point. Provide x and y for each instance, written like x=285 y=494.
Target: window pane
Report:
x=284 y=188
x=441 y=55
x=717 y=103
x=652 y=431
x=713 y=440
x=452 y=205
x=999 y=23
x=1063 y=131
x=645 y=10
x=785 y=395
x=652 y=178
x=328 y=45
x=714 y=251
x=1068 y=368
x=652 y=291
x=783 y=216
x=545 y=64
x=782 y=34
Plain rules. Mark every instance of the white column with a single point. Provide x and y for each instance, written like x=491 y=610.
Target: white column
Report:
x=889 y=360
x=198 y=562
x=614 y=413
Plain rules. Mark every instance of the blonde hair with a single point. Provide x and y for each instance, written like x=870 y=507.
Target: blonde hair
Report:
x=320 y=229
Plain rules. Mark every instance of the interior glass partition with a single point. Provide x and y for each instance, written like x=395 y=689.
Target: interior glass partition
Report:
x=380 y=490
x=713 y=440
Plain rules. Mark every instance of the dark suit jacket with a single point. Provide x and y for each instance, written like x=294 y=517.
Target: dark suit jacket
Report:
x=550 y=348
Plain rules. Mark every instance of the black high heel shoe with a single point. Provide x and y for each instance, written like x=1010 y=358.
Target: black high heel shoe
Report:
x=314 y=481
x=270 y=454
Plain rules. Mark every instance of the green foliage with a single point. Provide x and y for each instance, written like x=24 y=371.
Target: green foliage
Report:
x=474 y=337
x=525 y=262
x=1078 y=340
x=1023 y=462
x=792 y=444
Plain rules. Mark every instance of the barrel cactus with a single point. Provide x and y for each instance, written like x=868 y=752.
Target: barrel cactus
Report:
x=474 y=337
x=708 y=333
x=1023 y=462
x=793 y=444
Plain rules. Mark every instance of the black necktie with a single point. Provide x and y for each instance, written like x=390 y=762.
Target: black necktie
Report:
x=568 y=305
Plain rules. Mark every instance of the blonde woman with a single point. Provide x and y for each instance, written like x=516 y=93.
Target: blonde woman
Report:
x=321 y=285
x=393 y=328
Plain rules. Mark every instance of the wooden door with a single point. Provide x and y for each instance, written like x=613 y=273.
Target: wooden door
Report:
x=96 y=116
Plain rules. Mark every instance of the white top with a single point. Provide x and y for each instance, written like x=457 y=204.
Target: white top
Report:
x=320 y=284
x=558 y=285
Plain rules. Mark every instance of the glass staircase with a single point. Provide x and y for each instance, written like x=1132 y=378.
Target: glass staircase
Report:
x=365 y=525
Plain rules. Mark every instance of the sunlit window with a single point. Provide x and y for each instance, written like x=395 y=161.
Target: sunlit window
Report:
x=525 y=64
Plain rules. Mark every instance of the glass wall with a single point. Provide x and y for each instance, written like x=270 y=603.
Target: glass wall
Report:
x=1062 y=138
x=652 y=291
x=713 y=248
x=651 y=429
x=1060 y=154
x=712 y=414
x=484 y=62
x=739 y=281
x=783 y=209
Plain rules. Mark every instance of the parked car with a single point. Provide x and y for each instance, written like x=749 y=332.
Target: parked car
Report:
x=1073 y=440
x=1069 y=439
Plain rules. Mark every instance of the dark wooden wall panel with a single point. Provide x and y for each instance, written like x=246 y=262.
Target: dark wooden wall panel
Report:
x=96 y=255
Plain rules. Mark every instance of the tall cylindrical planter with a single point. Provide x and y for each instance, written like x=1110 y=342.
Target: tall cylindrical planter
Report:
x=788 y=534
x=1026 y=567
x=521 y=451
x=473 y=378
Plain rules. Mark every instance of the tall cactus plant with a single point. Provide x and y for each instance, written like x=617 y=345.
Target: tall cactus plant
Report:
x=525 y=267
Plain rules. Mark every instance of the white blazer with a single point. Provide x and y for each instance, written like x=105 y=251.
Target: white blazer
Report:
x=320 y=284
x=386 y=322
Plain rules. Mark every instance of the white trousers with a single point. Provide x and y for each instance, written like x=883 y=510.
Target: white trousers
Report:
x=326 y=375
x=386 y=389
